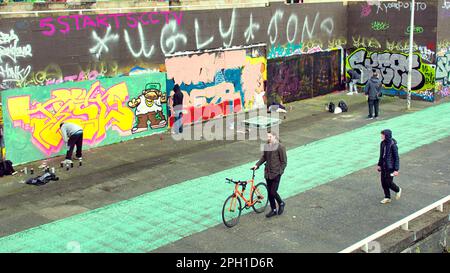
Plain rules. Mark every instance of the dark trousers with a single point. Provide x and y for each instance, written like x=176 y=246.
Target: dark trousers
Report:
x=387 y=182
x=75 y=140
x=373 y=105
x=178 y=123
x=272 y=187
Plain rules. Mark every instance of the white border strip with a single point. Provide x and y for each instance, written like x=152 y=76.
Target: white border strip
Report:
x=364 y=244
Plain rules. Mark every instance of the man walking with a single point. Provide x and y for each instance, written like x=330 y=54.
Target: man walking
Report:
x=373 y=91
x=353 y=80
x=274 y=155
x=388 y=165
x=72 y=135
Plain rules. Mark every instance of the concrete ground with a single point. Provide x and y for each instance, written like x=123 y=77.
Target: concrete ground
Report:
x=327 y=218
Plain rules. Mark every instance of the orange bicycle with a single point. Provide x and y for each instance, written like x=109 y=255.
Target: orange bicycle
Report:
x=232 y=208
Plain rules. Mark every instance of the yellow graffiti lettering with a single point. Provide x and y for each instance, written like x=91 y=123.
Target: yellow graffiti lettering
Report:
x=365 y=42
x=96 y=110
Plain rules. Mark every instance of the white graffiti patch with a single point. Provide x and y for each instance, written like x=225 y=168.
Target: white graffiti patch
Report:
x=10 y=51
x=147 y=53
x=443 y=69
x=102 y=43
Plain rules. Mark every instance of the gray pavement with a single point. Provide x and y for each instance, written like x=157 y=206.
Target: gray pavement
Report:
x=122 y=171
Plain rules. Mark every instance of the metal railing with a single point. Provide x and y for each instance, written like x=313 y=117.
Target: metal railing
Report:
x=404 y=224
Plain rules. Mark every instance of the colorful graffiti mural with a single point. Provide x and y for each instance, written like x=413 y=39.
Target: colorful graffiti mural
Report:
x=304 y=76
x=443 y=75
x=393 y=69
x=33 y=114
x=218 y=83
x=63 y=48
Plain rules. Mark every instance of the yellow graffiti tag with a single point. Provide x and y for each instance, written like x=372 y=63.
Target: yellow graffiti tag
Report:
x=96 y=110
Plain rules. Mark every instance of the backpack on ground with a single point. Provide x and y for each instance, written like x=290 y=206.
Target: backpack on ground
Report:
x=343 y=106
x=6 y=168
x=331 y=107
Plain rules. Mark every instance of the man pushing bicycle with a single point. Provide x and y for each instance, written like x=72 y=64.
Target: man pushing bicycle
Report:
x=274 y=155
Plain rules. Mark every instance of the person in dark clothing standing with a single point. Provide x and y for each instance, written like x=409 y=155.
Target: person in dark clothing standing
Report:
x=274 y=155
x=373 y=91
x=388 y=165
x=178 y=109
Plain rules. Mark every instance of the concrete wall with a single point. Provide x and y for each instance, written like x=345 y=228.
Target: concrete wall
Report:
x=38 y=52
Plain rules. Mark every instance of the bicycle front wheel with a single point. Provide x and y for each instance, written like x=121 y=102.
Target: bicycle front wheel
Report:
x=260 y=196
x=231 y=211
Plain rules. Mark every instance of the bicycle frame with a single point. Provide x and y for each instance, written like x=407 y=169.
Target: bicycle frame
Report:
x=239 y=193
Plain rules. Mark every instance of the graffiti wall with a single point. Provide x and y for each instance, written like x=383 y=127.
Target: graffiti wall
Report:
x=304 y=76
x=48 y=50
x=109 y=110
x=443 y=50
x=218 y=83
x=393 y=70
x=378 y=37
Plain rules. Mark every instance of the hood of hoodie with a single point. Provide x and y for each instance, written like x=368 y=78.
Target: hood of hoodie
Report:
x=375 y=80
x=388 y=136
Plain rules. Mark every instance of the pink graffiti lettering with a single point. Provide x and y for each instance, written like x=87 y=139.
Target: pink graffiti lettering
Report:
x=64 y=24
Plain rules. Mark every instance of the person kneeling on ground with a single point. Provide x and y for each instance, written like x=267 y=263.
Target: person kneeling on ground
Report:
x=72 y=135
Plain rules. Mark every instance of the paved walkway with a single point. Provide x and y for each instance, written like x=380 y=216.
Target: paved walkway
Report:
x=161 y=217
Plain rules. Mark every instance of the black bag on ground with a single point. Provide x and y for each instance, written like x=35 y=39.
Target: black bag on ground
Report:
x=343 y=106
x=42 y=179
x=6 y=168
x=331 y=107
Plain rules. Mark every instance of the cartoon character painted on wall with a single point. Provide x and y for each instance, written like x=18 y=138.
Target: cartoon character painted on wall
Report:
x=149 y=108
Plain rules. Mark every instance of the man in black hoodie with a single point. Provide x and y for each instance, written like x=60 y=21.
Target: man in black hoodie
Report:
x=388 y=165
x=373 y=91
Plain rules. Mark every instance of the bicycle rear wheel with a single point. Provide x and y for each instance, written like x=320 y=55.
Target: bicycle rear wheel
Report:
x=231 y=211
x=260 y=194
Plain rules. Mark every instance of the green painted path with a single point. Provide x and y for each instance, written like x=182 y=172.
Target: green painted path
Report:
x=152 y=220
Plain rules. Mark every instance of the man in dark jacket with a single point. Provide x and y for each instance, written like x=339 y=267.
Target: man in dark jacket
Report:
x=274 y=155
x=388 y=165
x=373 y=91
x=352 y=81
x=178 y=109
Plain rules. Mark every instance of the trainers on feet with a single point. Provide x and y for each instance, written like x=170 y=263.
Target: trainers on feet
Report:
x=385 y=201
x=369 y=117
x=399 y=194
x=271 y=213
x=281 y=208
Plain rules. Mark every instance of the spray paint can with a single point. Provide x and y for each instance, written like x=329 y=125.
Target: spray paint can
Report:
x=62 y=165
x=31 y=171
x=80 y=163
x=53 y=170
x=25 y=170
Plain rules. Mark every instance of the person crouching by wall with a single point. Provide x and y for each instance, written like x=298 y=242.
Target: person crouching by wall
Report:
x=72 y=135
